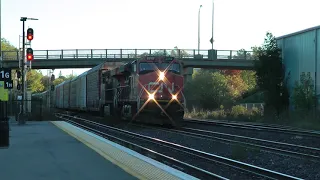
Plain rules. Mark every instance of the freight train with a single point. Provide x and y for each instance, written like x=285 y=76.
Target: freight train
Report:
x=148 y=90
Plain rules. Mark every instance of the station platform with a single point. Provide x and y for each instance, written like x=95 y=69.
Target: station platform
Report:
x=60 y=151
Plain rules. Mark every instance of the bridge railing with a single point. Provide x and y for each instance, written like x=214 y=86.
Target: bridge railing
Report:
x=127 y=54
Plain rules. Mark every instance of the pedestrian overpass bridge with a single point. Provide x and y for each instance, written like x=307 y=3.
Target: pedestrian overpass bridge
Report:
x=88 y=58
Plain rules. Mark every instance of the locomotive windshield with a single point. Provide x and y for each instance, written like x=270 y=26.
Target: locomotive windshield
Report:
x=149 y=67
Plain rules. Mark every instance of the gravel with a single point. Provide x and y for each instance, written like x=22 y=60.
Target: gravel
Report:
x=297 y=167
x=261 y=134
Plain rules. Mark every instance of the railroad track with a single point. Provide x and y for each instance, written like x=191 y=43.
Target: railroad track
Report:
x=257 y=126
x=294 y=150
x=194 y=162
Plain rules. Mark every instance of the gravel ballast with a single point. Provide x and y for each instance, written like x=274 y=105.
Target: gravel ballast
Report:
x=297 y=167
x=261 y=134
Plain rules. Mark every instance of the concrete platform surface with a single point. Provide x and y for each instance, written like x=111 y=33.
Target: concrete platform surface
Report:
x=41 y=151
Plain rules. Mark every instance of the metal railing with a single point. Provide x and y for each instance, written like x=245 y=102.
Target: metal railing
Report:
x=69 y=54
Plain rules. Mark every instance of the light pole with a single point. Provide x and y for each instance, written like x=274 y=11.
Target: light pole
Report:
x=0 y=37
x=24 y=69
x=199 y=30
x=212 y=23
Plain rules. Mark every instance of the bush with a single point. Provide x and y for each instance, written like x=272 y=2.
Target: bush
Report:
x=236 y=113
x=303 y=93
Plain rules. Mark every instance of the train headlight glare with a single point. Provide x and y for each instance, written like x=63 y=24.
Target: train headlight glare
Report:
x=174 y=96
x=161 y=76
x=151 y=96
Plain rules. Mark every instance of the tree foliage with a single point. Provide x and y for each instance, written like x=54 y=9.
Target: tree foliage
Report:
x=303 y=93
x=176 y=52
x=9 y=51
x=270 y=74
x=236 y=85
x=249 y=78
x=243 y=54
x=209 y=89
x=34 y=82
x=58 y=81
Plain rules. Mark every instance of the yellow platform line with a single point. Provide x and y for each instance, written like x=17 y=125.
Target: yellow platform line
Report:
x=131 y=164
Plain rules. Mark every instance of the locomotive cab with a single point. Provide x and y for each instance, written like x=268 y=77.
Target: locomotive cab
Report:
x=161 y=88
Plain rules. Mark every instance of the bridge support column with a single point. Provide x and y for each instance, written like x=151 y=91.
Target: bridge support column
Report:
x=212 y=54
x=188 y=74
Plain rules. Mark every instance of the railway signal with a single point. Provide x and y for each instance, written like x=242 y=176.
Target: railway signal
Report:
x=53 y=77
x=18 y=87
x=29 y=54
x=18 y=74
x=30 y=34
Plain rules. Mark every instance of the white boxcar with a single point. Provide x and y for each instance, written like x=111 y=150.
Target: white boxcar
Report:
x=66 y=94
x=81 y=91
x=73 y=93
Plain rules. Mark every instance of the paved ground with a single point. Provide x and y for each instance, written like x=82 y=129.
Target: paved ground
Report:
x=41 y=151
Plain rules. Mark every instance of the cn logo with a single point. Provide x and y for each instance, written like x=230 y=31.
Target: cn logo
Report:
x=152 y=86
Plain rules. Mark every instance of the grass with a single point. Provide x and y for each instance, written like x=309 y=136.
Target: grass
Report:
x=236 y=113
x=299 y=119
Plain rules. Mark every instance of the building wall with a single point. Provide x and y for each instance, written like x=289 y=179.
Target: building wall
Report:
x=301 y=55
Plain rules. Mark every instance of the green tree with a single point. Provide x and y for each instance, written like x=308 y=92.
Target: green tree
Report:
x=243 y=54
x=176 y=52
x=9 y=51
x=303 y=93
x=270 y=74
x=249 y=77
x=58 y=81
x=70 y=76
x=34 y=81
x=45 y=81
x=209 y=90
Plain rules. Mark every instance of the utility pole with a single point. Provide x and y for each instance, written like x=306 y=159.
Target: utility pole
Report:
x=0 y=37
x=212 y=23
x=199 y=30
x=23 y=19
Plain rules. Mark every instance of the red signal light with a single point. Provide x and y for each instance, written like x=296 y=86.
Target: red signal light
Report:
x=30 y=34
x=29 y=37
x=29 y=54
x=29 y=57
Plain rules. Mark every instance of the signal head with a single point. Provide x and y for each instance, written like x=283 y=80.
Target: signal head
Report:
x=18 y=74
x=30 y=34
x=29 y=54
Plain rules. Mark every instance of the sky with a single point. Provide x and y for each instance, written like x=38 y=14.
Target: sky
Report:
x=153 y=24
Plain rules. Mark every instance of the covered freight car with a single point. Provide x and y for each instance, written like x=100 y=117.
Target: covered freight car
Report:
x=66 y=94
x=94 y=89
x=59 y=95
x=81 y=91
x=73 y=94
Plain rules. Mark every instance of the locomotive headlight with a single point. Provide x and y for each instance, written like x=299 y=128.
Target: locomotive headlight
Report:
x=151 y=96
x=161 y=76
x=174 y=97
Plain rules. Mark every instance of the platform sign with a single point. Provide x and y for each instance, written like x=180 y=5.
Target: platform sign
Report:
x=5 y=83
x=4 y=94
x=5 y=74
x=8 y=84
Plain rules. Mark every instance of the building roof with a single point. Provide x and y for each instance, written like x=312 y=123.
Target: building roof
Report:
x=298 y=32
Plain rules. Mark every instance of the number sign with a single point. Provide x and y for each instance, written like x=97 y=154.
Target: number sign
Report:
x=5 y=74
